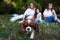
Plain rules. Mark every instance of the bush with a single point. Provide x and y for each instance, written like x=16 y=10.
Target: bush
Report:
x=12 y=6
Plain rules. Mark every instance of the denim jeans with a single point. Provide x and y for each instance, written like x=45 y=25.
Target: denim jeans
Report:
x=38 y=21
x=50 y=19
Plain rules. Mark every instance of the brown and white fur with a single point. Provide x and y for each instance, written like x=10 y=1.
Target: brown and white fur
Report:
x=29 y=25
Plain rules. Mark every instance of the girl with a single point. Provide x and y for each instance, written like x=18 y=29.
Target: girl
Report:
x=29 y=13
x=37 y=16
x=50 y=14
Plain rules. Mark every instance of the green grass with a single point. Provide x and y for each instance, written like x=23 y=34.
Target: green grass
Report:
x=11 y=31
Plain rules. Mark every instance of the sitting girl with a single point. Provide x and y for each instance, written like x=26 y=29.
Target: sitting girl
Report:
x=50 y=14
x=37 y=16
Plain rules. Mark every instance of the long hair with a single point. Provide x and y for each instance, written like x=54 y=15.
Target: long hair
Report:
x=35 y=15
x=48 y=7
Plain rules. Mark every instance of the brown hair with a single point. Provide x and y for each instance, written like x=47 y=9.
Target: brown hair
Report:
x=30 y=3
x=48 y=7
x=35 y=15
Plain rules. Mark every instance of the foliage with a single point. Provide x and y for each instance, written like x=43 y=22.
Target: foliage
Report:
x=12 y=6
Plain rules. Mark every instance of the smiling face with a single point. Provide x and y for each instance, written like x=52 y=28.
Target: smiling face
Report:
x=50 y=6
x=37 y=11
x=31 y=5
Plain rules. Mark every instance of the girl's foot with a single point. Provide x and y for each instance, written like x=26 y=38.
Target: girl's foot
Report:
x=58 y=20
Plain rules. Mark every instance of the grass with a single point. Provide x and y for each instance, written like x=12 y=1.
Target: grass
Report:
x=11 y=31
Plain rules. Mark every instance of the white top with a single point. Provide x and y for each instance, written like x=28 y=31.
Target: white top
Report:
x=30 y=13
x=39 y=16
x=47 y=13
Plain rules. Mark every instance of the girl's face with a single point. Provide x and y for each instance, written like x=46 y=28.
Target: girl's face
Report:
x=37 y=10
x=31 y=5
x=50 y=6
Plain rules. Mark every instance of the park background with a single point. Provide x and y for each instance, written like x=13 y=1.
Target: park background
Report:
x=11 y=30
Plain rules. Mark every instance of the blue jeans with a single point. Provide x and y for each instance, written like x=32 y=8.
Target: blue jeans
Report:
x=51 y=19
x=38 y=21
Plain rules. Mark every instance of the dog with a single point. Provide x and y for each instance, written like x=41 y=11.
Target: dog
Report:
x=29 y=26
x=26 y=25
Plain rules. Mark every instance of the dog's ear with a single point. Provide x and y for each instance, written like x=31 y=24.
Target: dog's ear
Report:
x=25 y=23
x=37 y=28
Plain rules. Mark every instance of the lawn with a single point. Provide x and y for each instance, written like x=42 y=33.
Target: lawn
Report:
x=11 y=30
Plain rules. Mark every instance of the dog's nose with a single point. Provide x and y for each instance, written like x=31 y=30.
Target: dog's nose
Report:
x=28 y=28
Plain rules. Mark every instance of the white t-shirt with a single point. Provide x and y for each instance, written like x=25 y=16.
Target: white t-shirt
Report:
x=30 y=13
x=47 y=13
x=39 y=16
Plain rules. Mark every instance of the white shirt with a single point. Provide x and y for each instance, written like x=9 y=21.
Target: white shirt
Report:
x=39 y=16
x=30 y=13
x=47 y=13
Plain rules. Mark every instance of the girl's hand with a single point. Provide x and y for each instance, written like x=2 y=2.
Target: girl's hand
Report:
x=55 y=18
x=45 y=16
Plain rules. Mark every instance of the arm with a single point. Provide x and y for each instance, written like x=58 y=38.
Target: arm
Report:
x=54 y=13
x=45 y=13
x=39 y=16
x=26 y=12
